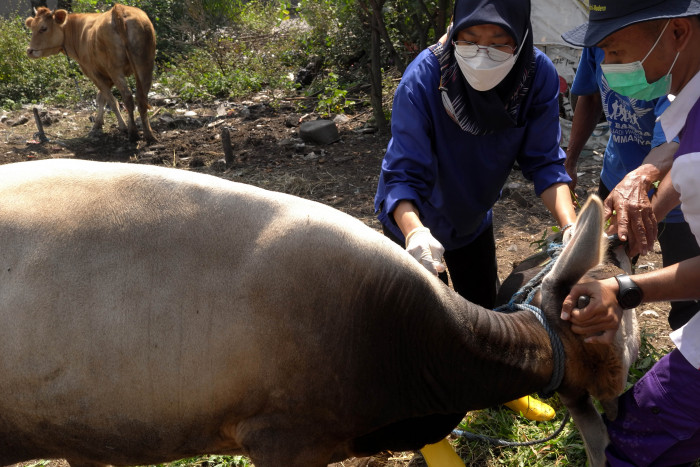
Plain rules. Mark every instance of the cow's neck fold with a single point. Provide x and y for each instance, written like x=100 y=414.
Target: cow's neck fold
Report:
x=506 y=356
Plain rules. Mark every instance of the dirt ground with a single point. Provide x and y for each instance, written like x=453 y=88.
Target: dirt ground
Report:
x=267 y=151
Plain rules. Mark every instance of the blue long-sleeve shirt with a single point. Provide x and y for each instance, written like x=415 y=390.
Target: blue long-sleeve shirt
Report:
x=453 y=177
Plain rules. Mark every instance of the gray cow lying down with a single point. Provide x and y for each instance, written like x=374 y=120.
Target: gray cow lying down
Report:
x=151 y=314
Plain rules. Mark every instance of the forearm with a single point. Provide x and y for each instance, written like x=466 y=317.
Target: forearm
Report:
x=654 y=168
x=665 y=198
x=680 y=281
x=406 y=216
x=557 y=199
x=586 y=117
x=657 y=164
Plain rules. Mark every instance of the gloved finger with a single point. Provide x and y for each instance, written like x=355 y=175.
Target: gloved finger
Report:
x=436 y=252
x=428 y=263
x=440 y=266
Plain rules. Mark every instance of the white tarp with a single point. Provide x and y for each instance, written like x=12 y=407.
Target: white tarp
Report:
x=551 y=18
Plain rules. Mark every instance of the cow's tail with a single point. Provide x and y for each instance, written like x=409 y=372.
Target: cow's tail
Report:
x=143 y=76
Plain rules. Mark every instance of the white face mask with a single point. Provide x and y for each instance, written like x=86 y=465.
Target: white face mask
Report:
x=481 y=71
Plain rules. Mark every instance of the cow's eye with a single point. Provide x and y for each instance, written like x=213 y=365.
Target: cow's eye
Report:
x=42 y=29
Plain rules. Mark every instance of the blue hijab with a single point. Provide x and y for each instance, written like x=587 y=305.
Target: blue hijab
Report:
x=483 y=112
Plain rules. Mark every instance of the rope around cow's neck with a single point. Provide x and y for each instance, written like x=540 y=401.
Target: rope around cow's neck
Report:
x=522 y=299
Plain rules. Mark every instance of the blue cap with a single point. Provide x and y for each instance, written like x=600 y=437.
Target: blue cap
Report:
x=609 y=16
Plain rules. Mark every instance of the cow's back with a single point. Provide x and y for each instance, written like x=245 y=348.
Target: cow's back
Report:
x=152 y=301
x=138 y=38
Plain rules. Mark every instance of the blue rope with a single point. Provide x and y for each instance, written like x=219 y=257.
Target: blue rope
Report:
x=522 y=299
x=530 y=289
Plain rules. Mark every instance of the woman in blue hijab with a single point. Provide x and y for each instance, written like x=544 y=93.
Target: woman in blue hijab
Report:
x=467 y=109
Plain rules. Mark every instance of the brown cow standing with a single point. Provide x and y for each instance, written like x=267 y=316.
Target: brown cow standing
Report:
x=109 y=47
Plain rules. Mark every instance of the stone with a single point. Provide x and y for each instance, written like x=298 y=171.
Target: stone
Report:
x=319 y=131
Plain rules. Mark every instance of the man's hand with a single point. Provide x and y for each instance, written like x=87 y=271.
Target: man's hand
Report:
x=600 y=318
x=631 y=214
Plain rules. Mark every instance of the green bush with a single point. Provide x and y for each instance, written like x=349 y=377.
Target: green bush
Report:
x=215 y=49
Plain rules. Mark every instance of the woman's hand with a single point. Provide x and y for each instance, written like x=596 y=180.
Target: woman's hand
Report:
x=421 y=244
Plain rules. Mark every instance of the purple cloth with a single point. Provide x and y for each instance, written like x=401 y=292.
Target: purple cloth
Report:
x=690 y=139
x=658 y=423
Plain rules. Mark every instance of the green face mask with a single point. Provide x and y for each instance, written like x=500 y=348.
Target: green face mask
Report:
x=629 y=79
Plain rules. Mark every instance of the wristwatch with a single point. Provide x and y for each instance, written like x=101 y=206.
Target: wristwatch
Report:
x=629 y=295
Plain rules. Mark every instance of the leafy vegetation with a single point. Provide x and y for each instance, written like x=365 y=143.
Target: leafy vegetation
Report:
x=211 y=461
x=230 y=49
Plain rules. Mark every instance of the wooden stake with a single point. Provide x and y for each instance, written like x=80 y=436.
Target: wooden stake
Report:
x=228 y=150
x=40 y=134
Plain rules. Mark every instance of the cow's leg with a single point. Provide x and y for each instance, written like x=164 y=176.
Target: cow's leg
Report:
x=143 y=85
x=99 y=117
x=114 y=105
x=590 y=424
x=105 y=97
x=123 y=86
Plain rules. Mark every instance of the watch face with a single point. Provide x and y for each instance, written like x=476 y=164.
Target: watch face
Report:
x=631 y=298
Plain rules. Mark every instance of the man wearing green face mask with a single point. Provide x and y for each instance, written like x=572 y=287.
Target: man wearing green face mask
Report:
x=658 y=419
x=629 y=79
x=636 y=156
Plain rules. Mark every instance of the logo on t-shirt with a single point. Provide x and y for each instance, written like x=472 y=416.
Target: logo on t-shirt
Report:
x=627 y=114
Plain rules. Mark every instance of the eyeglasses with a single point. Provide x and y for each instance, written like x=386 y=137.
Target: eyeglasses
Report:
x=496 y=52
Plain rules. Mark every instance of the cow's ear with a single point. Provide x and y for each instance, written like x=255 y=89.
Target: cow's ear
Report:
x=28 y=22
x=60 y=16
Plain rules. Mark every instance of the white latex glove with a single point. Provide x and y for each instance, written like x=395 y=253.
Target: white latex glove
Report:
x=428 y=251
x=568 y=233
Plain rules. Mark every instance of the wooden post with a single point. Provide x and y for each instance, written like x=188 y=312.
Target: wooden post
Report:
x=228 y=150
x=40 y=134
